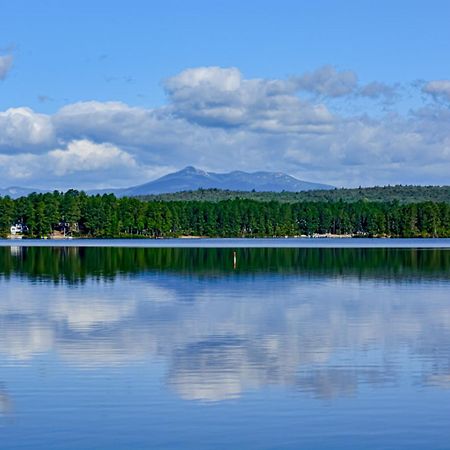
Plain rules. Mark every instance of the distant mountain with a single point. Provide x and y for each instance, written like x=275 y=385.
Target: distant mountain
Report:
x=190 y=179
x=16 y=192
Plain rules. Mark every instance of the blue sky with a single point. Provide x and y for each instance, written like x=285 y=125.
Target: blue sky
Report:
x=98 y=93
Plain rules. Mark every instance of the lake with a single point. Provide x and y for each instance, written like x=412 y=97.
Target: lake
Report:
x=126 y=347
x=235 y=243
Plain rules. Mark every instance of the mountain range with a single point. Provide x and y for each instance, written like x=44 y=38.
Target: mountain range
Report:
x=16 y=192
x=191 y=178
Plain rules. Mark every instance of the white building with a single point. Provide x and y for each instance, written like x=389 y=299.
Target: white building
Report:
x=18 y=228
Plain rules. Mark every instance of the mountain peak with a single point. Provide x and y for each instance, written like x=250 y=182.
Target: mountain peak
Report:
x=192 y=170
x=188 y=169
x=191 y=178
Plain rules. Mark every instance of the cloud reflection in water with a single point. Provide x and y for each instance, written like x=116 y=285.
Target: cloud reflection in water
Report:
x=220 y=337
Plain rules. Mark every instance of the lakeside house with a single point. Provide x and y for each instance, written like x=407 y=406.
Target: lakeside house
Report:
x=18 y=229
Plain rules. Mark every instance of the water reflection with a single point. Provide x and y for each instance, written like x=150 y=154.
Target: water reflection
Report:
x=5 y=403
x=219 y=337
x=77 y=264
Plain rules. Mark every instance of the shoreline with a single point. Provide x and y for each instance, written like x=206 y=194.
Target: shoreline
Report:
x=314 y=236
x=324 y=242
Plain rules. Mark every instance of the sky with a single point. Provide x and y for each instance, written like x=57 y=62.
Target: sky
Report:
x=111 y=93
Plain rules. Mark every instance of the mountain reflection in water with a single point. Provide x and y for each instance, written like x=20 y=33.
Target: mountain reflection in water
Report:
x=319 y=322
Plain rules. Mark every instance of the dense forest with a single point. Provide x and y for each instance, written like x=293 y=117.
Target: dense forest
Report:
x=402 y=194
x=77 y=214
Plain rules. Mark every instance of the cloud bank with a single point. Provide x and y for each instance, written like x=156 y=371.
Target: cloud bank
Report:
x=218 y=119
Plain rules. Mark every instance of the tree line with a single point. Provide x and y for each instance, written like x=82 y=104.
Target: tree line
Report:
x=401 y=193
x=105 y=216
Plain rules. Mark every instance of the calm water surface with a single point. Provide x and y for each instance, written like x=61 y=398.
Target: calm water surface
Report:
x=235 y=243
x=138 y=348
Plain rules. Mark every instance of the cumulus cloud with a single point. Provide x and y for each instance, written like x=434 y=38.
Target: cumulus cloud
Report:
x=212 y=96
x=24 y=129
x=79 y=159
x=6 y=62
x=438 y=89
x=84 y=155
x=218 y=119
x=95 y=117
x=217 y=78
x=327 y=81
x=111 y=121
x=159 y=141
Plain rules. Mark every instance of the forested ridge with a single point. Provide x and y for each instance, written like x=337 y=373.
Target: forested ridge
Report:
x=77 y=214
x=400 y=193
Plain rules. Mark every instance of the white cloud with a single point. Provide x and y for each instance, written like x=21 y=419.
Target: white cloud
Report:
x=94 y=119
x=6 y=62
x=79 y=161
x=212 y=96
x=439 y=89
x=216 y=78
x=84 y=155
x=151 y=132
x=24 y=129
x=219 y=120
